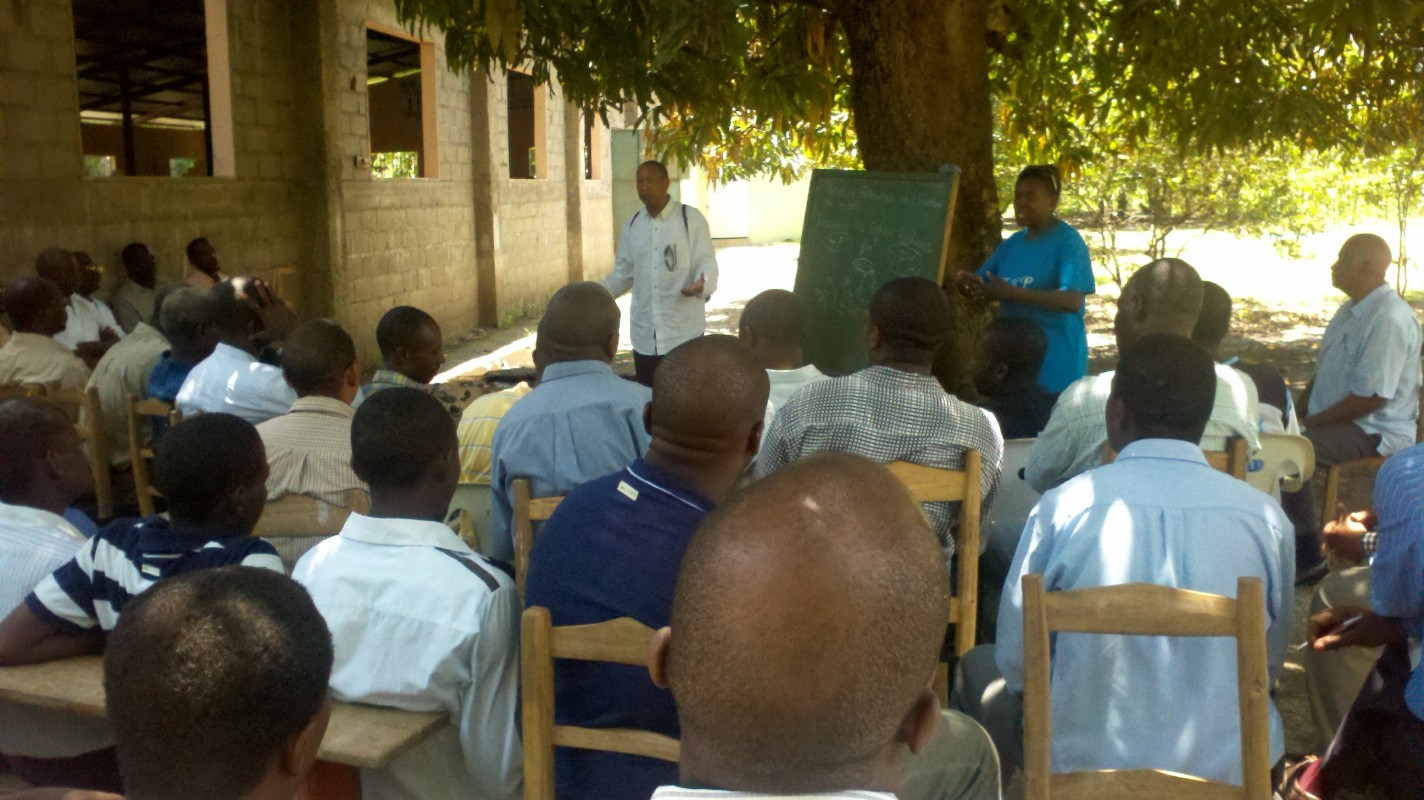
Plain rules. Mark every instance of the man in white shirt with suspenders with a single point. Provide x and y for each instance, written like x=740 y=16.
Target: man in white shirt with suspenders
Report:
x=665 y=256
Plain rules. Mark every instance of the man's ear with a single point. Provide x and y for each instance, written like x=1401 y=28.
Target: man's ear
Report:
x=1117 y=422
x=754 y=438
x=352 y=376
x=648 y=418
x=921 y=722
x=658 y=656
x=299 y=751
x=873 y=337
x=610 y=347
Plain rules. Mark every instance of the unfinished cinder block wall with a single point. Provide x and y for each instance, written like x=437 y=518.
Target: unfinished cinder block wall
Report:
x=296 y=202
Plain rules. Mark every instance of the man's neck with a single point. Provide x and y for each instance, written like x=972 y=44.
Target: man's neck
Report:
x=45 y=498
x=654 y=210
x=709 y=473
x=245 y=345
x=395 y=504
x=903 y=366
x=1360 y=294
x=783 y=360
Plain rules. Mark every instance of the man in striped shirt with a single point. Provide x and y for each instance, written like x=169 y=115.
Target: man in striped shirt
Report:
x=213 y=473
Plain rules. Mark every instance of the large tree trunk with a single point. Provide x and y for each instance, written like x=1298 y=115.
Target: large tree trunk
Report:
x=920 y=96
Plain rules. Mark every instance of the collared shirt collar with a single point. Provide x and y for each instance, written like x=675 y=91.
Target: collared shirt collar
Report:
x=885 y=373
x=568 y=369
x=394 y=378
x=158 y=537
x=145 y=331
x=1169 y=449
x=39 y=518
x=229 y=353
x=668 y=210
x=1366 y=305
x=396 y=532
x=22 y=339
x=317 y=404
x=669 y=484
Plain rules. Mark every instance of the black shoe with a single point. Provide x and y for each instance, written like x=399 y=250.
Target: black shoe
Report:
x=1311 y=575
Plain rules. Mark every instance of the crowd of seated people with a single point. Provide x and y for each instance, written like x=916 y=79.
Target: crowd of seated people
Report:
x=739 y=508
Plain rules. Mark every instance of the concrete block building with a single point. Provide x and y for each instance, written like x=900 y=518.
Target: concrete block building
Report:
x=317 y=143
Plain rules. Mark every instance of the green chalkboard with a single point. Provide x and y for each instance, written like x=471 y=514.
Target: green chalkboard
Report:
x=861 y=230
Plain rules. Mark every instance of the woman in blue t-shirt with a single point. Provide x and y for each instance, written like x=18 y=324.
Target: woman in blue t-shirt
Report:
x=1042 y=272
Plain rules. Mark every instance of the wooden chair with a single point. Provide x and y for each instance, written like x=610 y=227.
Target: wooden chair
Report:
x=1372 y=464
x=85 y=407
x=1140 y=609
x=931 y=485
x=298 y=515
x=140 y=412
x=1233 y=460
x=527 y=511
x=620 y=641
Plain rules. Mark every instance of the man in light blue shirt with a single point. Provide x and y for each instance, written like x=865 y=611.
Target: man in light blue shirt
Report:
x=1158 y=514
x=582 y=422
x=1381 y=740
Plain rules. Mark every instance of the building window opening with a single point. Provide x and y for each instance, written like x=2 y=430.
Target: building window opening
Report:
x=395 y=91
x=523 y=119
x=142 y=69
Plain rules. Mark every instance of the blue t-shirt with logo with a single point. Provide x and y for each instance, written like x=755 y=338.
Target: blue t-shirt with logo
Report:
x=1057 y=259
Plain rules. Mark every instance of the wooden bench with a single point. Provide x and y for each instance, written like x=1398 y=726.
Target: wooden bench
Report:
x=359 y=736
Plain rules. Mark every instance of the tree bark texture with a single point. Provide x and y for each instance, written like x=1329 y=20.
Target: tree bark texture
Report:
x=920 y=96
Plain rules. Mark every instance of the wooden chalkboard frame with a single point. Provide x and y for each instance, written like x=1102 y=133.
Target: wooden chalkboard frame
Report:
x=948 y=174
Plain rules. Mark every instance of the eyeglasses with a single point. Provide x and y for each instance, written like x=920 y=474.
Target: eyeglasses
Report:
x=670 y=257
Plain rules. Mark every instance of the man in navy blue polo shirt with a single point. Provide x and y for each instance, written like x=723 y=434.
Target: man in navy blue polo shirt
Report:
x=614 y=546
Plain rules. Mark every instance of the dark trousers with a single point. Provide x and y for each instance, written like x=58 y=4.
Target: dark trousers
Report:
x=1334 y=444
x=1380 y=742
x=644 y=366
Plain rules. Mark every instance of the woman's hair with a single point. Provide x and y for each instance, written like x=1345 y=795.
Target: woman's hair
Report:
x=1047 y=174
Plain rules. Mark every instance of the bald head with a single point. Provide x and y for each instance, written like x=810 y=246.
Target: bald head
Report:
x=1163 y=297
x=809 y=614
x=35 y=305
x=580 y=324
x=708 y=396
x=319 y=358
x=1361 y=265
x=58 y=265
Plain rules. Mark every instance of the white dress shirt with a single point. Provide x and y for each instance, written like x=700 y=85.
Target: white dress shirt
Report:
x=34 y=543
x=124 y=371
x=421 y=622
x=233 y=381
x=85 y=320
x=1158 y=514
x=1077 y=432
x=32 y=358
x=657 y=258
x=1371 y=349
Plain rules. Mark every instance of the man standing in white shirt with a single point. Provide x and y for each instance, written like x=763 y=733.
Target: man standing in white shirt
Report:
x=420 y=621
x=247 y=315
x=665 y=256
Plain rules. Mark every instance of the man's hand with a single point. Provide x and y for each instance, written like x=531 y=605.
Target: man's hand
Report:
x=695 y=288
x=1344 y=536
x=276 y=316
x=996 y=288
x=1331 y=630
x=970 y=285
x=108 y=336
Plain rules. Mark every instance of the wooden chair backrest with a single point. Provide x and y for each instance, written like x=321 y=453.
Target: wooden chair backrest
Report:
x=15 y=391
x=527 y=511
x=1139 y=609
x=620 y=641
x=140 y=448
x=299 y=515
x=1232 y=460
x=931 y=485
x=84 y=406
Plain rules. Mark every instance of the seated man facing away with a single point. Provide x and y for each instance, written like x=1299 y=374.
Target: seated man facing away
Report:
x=1381 y=740
x=412 y=351
x=212 y=471
x=893 y=410
x=1007 y=360
x=478 y=423
x=195 y=713
x=613 y=547
x=420 y=620
x=136 y=298
x=309 y=447
x=125 y=370
x=773 y=326
x=185 y=317
x=1274 y=406
x=581 y=423
x=42 y=471
x=1159 y=514
x=790 y=677
x=37 y=310
x=247 y=315
x=1163 y=297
